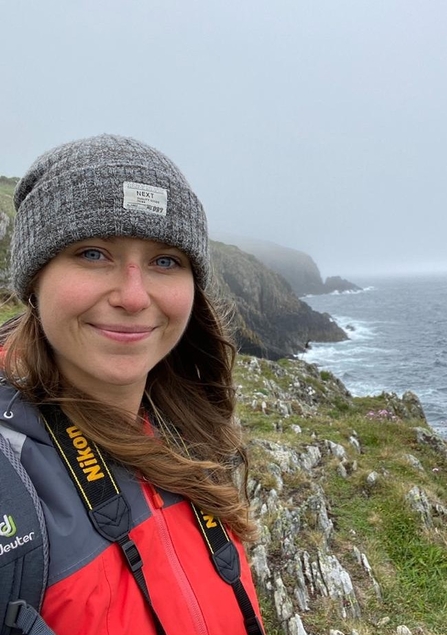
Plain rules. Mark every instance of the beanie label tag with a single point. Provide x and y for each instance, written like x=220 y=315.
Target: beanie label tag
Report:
x=145 y=198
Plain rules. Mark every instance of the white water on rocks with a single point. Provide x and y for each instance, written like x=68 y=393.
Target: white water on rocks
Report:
x=398 y=340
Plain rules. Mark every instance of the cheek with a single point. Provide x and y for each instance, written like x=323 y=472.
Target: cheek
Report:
x=47 y=290
x=59 y=284
x=52 y=307
x=181 y=303
x=59 y=297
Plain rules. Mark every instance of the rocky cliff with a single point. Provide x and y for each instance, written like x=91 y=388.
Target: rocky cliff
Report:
x=295 y=266
x=269 y=320
x=351 y=499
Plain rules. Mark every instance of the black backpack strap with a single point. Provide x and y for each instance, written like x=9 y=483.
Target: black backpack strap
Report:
x=106 y=506
x=26 y=619
x=23 y=549
x=226 y=561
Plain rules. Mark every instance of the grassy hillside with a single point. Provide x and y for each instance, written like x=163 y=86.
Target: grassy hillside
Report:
x=356 y=485
x=7 y=186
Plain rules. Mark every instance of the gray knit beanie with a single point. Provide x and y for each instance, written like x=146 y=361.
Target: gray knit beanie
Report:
x=100 y=187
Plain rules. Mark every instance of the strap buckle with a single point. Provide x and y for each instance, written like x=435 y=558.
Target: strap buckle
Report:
x=12 y=613
x=132 y=555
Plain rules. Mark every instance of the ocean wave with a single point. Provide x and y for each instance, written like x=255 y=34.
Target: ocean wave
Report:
x=363 y=389
x=339 y=361
x=347 y=292
x=354 y=328
x=397 y=341
x=350 y=291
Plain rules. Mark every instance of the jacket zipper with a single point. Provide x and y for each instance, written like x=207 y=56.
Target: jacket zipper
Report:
x=155 y=503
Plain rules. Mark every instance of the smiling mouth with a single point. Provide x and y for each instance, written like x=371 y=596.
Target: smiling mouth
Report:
x=123 y=333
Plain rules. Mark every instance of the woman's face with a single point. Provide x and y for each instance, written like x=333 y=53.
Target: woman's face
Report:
x=111 y=309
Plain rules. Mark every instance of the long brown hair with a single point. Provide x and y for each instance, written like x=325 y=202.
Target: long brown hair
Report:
x=197 y=450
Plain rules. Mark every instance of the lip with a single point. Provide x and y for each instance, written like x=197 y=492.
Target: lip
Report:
x=123 y=332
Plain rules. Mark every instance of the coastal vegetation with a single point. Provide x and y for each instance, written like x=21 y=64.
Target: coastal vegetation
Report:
x=351 y=495
x=7 y=186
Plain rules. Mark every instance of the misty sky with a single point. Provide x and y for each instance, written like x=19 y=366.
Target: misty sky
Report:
x=319 y=125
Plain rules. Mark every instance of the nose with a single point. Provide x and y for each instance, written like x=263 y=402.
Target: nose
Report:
x=130 y=291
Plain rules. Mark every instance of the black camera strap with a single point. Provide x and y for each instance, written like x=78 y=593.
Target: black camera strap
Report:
x=103 y=500
x=225 y=558
x=110 y=514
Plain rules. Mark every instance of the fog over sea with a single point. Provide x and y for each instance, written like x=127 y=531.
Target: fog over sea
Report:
x=398 y=340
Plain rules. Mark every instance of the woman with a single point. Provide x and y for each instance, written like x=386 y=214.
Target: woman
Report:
x=119 y=376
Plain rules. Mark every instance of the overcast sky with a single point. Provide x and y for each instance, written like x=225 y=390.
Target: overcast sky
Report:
x=320 y=125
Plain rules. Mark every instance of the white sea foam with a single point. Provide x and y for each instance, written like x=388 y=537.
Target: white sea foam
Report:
x=350 y=291
x=355 y=329
x=397 y=341
x=347 y=292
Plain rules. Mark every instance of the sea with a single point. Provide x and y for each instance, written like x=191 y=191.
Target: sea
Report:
x=397 y=328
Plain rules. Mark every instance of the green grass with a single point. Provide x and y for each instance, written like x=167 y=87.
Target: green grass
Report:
x=420 y=564
x=271 y=624
x=6 y=193
x=408 y=560
x=325 y=375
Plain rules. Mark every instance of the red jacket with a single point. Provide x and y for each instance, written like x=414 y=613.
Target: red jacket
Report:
x=91 y=590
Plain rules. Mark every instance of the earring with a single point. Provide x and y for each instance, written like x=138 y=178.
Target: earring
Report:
x=30 y=302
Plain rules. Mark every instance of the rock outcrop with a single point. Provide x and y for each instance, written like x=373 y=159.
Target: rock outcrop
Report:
x=269 y=320
x=335 y=283
x=315 y=570
x=295 y=266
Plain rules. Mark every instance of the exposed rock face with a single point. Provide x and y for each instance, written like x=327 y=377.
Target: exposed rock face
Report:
x=270 y=321
x=295 y=266
x=299 y=562
x=335 y=283
x=310 y=573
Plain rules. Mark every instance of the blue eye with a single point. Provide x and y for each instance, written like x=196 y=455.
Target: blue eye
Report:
x=166 y=262
x=92 y=254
